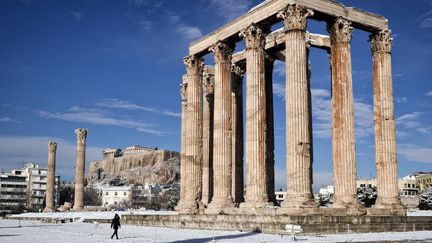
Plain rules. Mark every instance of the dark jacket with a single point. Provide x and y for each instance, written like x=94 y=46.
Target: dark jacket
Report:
x=115 y=224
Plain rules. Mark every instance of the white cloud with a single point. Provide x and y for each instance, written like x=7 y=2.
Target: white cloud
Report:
x=16 y=150
x=279 y=68
x=415 y=153
x=190 y=32
x=8 y=119
x=412 y=121
x=429 y=93
x=77 y=15
x=279 y=90
x=230 y=9
x=126 y=105
x=98 y=117
x=402 y=100
x=426 y=18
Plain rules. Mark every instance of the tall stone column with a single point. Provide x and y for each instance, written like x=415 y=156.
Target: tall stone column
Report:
x=80 y=168
x=270 y=161
x=299 y=198
x=208 y=99
x=183 y=176
x=237 y=131
x=193 y=140
x=343 y=139
x=222 y=165
x=256 y=119
x=50 y=185
x=385 y=131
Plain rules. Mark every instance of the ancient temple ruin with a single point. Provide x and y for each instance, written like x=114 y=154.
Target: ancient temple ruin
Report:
x=212 y=155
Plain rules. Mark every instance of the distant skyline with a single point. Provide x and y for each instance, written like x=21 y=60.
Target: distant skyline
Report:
x=115 y=66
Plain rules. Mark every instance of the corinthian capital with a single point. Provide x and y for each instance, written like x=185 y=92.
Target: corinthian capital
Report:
x=381 y=41
x=52 y=146
x=237 y=70
x=194 y=65
x=254 y=36
x=295 y=17
x=341 y=30
x=81 y=135
x=222 y=52
x=208 y=79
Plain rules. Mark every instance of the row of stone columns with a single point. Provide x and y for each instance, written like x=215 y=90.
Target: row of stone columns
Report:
x=214 y=174
x=79 y=173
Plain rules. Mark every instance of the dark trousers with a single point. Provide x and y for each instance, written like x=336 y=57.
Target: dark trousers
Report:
x=115 y=233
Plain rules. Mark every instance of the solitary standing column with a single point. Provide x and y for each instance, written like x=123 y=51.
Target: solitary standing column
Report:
x=298 y=143
x=183 y=175
x=80 y=168
x=208 y=99
x=256 y=120
x=237 y=130
x=222 y=157
x=50 y=186
x=193 y=157
x=385 y=132
x=343 y=139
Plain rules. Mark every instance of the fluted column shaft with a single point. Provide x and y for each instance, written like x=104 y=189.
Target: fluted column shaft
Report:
x=270 y=161
x=80 y=169
x=222 y=155
x=256 y=118
x=385 y=131
x=183 y=176
x=193 y=140
x=50 y=185
x=343 y=137
x=208 y=99
x=298 y=143
x=237 y=131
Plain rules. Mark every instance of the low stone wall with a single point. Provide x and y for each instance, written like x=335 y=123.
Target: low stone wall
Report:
x=276 y=224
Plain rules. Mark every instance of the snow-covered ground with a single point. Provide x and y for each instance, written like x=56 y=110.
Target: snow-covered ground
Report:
x=34 y=232
x=91 y=215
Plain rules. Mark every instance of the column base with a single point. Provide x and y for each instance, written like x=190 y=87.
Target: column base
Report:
x=220 y=207
x=78 y=209
x=390 y=203
x=190 y=208
x=48 y=210
x=350 y=203
x=293 y=201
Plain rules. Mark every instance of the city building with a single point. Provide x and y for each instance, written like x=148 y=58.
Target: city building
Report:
x=13 y=192
x=116 y=196
x=280 y=196
x=36 y=186
x=142 y=194
x=424 y=180
x=326 y=190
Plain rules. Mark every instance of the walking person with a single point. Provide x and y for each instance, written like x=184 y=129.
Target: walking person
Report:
x=115 y=224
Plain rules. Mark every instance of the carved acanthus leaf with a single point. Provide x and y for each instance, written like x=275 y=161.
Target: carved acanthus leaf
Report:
x=237 y=70
x=194 y=65
x=81 y=135
x=183 y=91
x=341 y=30
x=222 y=52
x=254 y=36
x=381 y=41
x=208 y=79
x=52 y=146
x=295 y=17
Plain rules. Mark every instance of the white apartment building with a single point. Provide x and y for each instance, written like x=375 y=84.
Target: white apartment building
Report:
x=36 y=186
x=116 y=196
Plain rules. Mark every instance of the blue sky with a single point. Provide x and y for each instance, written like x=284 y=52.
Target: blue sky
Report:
x=115 y=67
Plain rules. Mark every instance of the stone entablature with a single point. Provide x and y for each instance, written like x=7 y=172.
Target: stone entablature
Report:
x=290 y=44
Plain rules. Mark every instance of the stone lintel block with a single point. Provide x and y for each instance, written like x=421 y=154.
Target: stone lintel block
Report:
x=298 y=211
x=379 y=211
x=334 y=211
x=267 y=211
